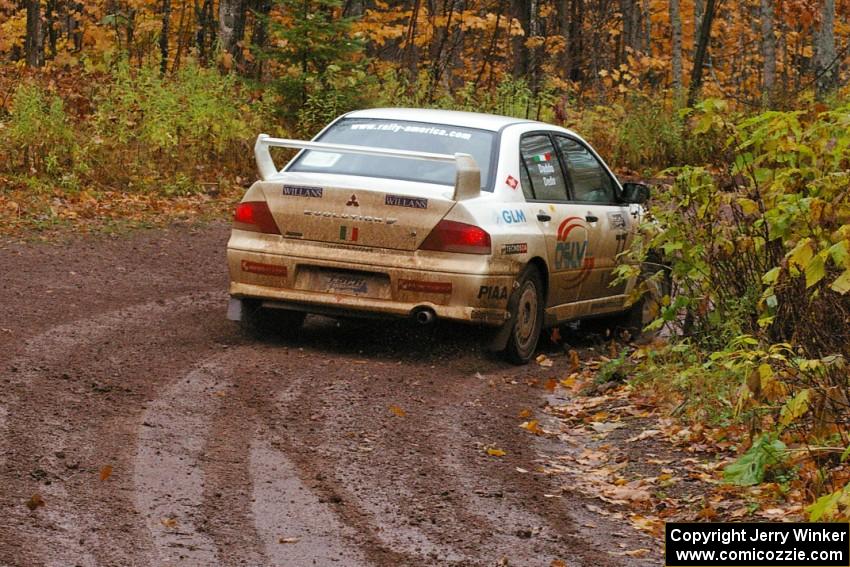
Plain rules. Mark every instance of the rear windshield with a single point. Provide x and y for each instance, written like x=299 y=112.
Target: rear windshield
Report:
x=399 y=135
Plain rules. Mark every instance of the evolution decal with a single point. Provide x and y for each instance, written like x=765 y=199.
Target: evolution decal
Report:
x=492 y=292
x=348 y=235
x=297 y=191
x=573 y=254
x=516 y=248
x=513 y=216
x=402 y=201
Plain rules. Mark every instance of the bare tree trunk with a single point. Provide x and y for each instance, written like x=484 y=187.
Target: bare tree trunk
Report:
x=520 y=12
x=676 y=27
x=163 y=37
x=231 y=26
x=576 y=46
x=34 y=44
x=411 y=52
x=825 y=59
x=260 y=34
x=768 y=50
x=702 y=49
x=647 y=25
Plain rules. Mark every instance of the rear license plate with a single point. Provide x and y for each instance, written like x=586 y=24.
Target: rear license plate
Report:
x=345 y=283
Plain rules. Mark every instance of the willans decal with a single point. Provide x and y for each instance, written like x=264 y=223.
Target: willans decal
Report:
x=402 y=201
x=298 y=191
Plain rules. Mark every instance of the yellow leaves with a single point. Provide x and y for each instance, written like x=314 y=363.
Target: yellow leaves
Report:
x=169 y=522
x=748 y=206
x=397 y=411
x=105 y=472
x=575 y=361
x=533 y=426
x=795 y=408
x=544 y=361
x=495 y=452
x=842 y=283
x=524 y=413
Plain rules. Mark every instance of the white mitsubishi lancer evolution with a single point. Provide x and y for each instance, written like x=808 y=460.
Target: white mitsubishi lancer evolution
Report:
x=398 y=212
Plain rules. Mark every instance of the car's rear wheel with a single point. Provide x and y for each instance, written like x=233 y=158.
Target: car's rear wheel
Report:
x=259 y=320
x=526 y=307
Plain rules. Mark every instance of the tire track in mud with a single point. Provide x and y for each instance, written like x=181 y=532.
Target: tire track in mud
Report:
x=57 y=378
x=167 y=476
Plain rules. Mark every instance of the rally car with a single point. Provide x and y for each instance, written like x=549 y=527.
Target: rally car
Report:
x=484 y=219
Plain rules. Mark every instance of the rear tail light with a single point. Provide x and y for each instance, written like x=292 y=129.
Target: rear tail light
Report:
x=255 y=216
x=451 y=236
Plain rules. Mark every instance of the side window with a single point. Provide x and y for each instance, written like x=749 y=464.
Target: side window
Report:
x=590 y=180
x=544 y=170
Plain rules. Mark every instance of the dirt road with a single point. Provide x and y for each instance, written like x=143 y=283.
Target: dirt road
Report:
x=154 y=433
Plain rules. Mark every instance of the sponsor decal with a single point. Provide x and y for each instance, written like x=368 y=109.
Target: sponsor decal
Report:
x=573 y=254
x=511 y=182
x=424 y=287
x=516 y=248
x=349 y=235
x=492 y=292
x=350 y=284
x=263 y=269
x=410 y=202
x=352 y=201
x=513 y=216
x=347 y=216
x=297 y=191
x=617 y=221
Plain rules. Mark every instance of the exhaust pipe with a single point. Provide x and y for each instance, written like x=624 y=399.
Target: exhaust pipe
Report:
x=424 y=315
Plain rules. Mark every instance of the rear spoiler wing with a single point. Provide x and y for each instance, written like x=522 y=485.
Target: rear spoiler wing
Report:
x=467 y=180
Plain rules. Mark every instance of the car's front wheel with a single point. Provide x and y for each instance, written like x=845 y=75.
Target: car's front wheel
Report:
x=258 y=320
x=526 y=308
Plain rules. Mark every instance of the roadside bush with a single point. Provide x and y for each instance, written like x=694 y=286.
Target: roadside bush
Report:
x=148 y=128
x=37 y=137
x=759 y=255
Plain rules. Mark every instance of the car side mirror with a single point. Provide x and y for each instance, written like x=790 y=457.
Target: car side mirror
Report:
x=635 y=193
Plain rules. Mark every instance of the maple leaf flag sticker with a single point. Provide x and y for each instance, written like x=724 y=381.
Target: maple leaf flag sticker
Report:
x=511 y=181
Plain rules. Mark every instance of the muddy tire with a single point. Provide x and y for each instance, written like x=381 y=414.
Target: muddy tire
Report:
x=526 y=307
x=258 y=321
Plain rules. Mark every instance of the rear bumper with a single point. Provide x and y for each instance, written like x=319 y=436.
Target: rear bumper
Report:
x=282 y=281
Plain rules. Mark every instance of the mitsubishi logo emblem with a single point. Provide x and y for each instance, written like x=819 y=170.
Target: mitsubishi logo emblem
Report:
x=352 y=202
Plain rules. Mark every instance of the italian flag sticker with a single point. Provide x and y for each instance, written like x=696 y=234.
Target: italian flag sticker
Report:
x=351 y=236
x=543 y=157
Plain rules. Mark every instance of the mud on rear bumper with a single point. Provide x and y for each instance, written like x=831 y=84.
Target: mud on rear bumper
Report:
x=296 y=283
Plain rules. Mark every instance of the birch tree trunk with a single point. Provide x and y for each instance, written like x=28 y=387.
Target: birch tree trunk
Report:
x=768 y=50
x=676 y=26
x=231 y=26
x=825 y=63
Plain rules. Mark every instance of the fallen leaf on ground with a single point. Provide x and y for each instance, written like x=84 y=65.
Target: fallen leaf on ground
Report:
x=646 y=434
x=551 y=384
x=169 y=523
x=398 y=411
x=606 y=426
x=524 y=413
x=557 y=562
x=544 y=361
x=105 y=472
x=575 y=361
x=533 y=426
x=493 y=452
x=35 y=501
x=288 y=540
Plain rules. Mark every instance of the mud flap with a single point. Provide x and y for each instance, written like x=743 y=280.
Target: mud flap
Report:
x=234 y=309
x=500 y=339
